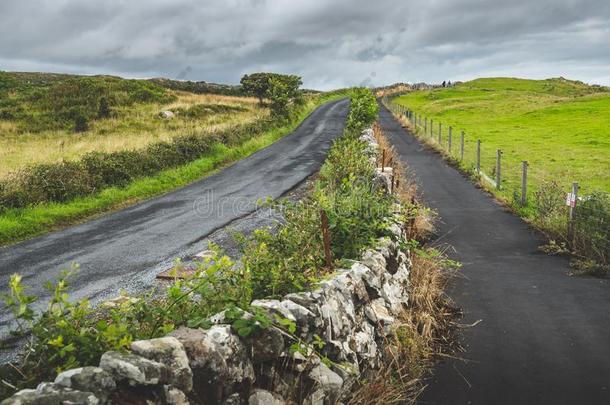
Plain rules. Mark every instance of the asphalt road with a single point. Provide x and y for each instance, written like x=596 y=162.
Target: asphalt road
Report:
x=126 y=249
x=543 y=336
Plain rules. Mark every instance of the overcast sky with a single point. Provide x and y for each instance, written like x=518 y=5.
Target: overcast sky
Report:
x=330 y=43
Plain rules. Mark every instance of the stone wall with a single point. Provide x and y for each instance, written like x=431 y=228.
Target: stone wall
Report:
x=352 y=313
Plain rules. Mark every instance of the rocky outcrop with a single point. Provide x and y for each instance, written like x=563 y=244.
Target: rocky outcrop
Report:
x=341 y=328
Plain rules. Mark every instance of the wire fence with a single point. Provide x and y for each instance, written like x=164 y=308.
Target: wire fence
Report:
x=580 y=223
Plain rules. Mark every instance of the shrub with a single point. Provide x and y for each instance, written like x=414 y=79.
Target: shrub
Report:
x=104 y=108
x=591 y=237
x=363 y=110
x=80 y=123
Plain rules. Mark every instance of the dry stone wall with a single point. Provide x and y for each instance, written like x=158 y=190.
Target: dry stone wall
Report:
x=352 y=312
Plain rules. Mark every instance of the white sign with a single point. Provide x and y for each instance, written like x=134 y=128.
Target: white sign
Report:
x=571 y=200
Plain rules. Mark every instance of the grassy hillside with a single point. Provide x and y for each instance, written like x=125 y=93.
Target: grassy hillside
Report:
x=39 y=113
x=561 y=127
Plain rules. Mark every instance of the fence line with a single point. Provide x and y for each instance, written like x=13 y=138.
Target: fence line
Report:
x=561 y=213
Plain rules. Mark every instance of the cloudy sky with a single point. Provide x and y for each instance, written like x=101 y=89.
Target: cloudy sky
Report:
x=330 y=43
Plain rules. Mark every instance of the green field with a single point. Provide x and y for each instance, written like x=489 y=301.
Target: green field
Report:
x=561 y=127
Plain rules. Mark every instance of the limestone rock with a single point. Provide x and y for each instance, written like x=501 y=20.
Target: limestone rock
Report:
x=134 y=370
x=218 y=358
x=377 y=312
x=327 y=380
x=266 y=345
x=168 y=351
x=262 y=397
x=173 y=396
x=51 y=394
x=89 y=379
x=167 y=114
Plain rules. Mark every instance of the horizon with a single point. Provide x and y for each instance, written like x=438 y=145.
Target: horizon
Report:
x=305 y=87
x=329 y=44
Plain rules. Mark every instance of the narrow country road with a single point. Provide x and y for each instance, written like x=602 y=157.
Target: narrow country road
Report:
x=543 y=337
x=126 y=249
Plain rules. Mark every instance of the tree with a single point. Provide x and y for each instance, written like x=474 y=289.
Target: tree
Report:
x=257 y=84
x=104 y=110
x=80 y=123
x=282 y=90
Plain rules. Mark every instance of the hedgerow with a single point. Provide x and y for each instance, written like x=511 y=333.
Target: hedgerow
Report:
x=288 y=259
x=66 y=180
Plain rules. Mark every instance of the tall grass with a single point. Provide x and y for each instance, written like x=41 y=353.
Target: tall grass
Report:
x=130 y=127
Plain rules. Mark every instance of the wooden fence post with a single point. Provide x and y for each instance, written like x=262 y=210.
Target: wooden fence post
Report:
x=572 y=212
x=524 y=165
x=498 y=169
x=449 y=140
x=461 y=146
x=383 y=160
x=326 y=238
x=425 y=125
x=431 y=127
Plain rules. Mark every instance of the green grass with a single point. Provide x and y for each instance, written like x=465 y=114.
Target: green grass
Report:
x=561 y=127
x=20 y=224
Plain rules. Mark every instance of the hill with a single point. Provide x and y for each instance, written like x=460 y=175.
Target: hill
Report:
x=47 y=117
x=559 y=126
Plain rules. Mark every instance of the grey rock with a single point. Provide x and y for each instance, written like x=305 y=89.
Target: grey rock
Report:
x=374 y=260
x=51 y=394
x=217 y=357
x=394 y=297
x=327 y=380
x=316 y=398
x=167 y=114
x=89 y=379
x=233 y=399
x=168 y=351
x=174 y=396
x=134 y=370
x=263 y=397
x=266 y=345
x=377 y=312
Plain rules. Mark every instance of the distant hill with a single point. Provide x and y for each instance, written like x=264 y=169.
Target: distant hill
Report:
x=38 y=102
x=198 y=87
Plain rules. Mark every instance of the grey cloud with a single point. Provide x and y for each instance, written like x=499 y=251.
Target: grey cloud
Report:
x=330 y=43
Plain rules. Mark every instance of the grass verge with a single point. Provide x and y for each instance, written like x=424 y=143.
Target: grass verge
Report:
x=426 y=330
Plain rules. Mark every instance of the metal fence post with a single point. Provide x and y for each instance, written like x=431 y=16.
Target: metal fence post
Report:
x=449 y=140
x=524 y=165
x=498 y=169
x=573 y=202
x=462 y=146
x=478 y=156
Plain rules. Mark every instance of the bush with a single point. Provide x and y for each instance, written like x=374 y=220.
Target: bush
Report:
x=592 y=228
x=63 y=181
x=363 y=110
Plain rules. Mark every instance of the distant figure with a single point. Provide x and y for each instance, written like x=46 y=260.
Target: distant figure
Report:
x=444 y=84
x=449 y=83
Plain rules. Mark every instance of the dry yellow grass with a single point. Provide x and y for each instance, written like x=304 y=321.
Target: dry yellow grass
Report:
x=135 y=127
